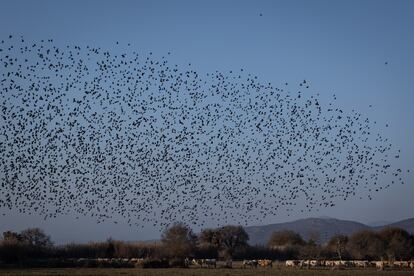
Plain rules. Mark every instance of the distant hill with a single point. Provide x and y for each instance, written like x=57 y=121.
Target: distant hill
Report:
x=379 y=223
x=325 y=228
x=407 y=224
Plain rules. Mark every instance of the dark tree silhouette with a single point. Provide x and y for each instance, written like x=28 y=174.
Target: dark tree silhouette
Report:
x=178 y=241
x=281 y=239
x=366 y=244
x=232 y=238
x=398 y=243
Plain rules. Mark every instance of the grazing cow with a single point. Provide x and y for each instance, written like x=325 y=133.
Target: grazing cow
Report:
x=197 y=262
x=186 y=262
x=205 y=262
x=329 y=263
x=137 y=261
x=362 y=264
x=209 y=263
x=342 y=263
x=314 y=263
x=291 y=263
x=402 y=264
x=251 y=263
x=380 y=265
x=309 y=263
x=265 y=263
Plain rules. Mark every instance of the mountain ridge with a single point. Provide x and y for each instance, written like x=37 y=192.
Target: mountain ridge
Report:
x=323 y=228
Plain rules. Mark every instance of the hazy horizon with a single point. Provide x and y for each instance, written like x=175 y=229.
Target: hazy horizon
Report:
x=64 y=236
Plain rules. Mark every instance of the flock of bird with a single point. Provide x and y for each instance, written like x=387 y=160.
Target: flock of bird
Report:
x=112 y=134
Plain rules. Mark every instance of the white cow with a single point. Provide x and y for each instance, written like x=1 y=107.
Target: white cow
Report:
x=380 y=265
x=205 y=262
x=291 y=263
x=402 y=264
x=362 y=264
x=329 y=263
x=314 y=263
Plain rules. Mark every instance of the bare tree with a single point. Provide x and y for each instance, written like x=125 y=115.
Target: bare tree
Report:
x=209 y=238
x=12 y=247
x=366 y=244
x=36 y=237
x=232 y=238
x=338 y=244
x=398 y=243
x=110 y=248
x=10 y=236
x=178 y=241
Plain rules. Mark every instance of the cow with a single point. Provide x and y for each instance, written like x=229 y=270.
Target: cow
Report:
x=342 y=263
x=265 y=263
x=137 y=261
x=362 y=264
x=309 y=263
x=197 y=262
x=314 y=263
x=251 y=263
x=402 y=264
x=380 y=265
x=205 y=262
x=412 y=264
x=291 y=263
x=210 y=263
x=186 y=262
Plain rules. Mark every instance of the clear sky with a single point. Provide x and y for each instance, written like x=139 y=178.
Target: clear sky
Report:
x=339 y=46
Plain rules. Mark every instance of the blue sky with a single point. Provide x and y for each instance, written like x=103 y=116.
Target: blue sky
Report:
x=340 y=47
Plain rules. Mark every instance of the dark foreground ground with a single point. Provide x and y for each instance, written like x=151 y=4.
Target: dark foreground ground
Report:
x=195 y=272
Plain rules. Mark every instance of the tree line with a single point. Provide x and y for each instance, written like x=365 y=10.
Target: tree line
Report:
x=229 y=242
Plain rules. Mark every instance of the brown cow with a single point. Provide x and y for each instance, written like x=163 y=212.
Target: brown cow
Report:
x=265 y=263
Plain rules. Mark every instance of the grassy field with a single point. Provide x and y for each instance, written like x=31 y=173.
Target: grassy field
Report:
x=195 y=272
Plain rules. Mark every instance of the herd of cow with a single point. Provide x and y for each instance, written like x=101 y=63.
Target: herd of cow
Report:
x=352 y=263
x=209 y=263
x=213 y=263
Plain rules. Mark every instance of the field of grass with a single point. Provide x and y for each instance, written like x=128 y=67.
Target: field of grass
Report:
x=195 y=272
